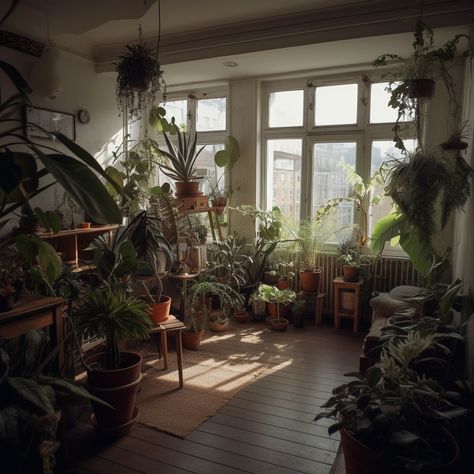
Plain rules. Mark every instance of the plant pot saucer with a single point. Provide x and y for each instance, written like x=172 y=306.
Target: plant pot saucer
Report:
x=200 y=193
x=115 y=431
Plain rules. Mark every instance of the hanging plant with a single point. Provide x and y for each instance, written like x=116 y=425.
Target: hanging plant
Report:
x=414 y=81
x=139 y=79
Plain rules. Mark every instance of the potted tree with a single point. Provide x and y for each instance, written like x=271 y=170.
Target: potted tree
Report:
x=278 y=304
x=113 y=375
x=200 y=299
x=393 y=419
x=180 y=163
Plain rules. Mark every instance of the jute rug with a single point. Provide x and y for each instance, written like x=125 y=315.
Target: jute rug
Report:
x=224 y=364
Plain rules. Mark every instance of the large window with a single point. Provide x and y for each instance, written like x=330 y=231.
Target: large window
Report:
x=314 y=131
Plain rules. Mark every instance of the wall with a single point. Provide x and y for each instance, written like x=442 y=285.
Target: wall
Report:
x=83 y=89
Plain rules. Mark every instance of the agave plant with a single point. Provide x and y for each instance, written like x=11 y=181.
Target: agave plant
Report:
x=181 y=164
x=114 y=315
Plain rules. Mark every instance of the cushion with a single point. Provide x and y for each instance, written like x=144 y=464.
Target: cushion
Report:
x=385 y=305
x=404 y=292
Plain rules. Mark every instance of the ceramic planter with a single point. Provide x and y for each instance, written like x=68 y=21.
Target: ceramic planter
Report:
x=350 y=273
x=270 y=278
x=278 y=324
x=192 y=339
x=119 y=389
x=283 y=284
x=160 y=311
x=310 y=280
x=187 y=188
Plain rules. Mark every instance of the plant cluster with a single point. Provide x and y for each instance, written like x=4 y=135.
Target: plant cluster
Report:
x=351 y=255
x=217 y=191
x=271 y=294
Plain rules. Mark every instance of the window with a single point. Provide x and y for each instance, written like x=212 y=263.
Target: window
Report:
x=211 y=114
x=314 y=131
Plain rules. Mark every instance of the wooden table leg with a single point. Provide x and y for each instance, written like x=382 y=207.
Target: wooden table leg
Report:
x=356 y=309
x=211 y=225
x=164 y=348
x=336 y=308
x=179 y=354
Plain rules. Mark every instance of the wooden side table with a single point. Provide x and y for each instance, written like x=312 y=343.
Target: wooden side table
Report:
x=174 y=327
x=316 y=301
x=347 y=301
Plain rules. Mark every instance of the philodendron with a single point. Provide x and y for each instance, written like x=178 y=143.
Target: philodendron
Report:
x=274 y=296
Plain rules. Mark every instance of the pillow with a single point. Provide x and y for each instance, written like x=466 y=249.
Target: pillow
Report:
x=404 y=292
x=386 y=306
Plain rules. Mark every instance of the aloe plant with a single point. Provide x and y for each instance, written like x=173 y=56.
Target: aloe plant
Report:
x=181 y=164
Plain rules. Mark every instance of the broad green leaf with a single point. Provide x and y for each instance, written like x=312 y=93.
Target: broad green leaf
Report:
x=31 y=391
x=27 y=248
x=84 y=187
x=233 y=150
x=49 y=219
x=23 y=170
x=48 y=259
x=221 y=158
x=127 y=249
x=420 y=255
x=385 y=229
x=373 y=376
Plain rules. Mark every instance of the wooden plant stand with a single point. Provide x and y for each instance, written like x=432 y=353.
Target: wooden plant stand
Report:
x=347 y=301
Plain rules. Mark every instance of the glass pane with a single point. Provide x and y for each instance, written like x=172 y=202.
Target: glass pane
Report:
x=330 y=181
x=285 y=109
x=211 y=114
x=177 y=109
x=284 y=176
x=382 y=151
x=336 y=105
x=380 y=111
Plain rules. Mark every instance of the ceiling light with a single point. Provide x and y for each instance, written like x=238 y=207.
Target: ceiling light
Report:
x=230 y=64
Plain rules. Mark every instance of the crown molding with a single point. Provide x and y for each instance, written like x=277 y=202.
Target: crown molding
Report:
x=367 y=18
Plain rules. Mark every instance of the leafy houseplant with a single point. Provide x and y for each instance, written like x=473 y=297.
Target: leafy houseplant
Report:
x=394 y=419
x=219 y=194
x=180 y=163
x=139 y=78
x=277 y=301
x=352 y=258
x=114 y=376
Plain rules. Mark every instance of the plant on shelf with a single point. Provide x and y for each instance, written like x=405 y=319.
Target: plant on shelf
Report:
x=11 y=277
x=284 y=266
x=32 y=397
x=278 y=301
x=113 y=375
x=352 y=258
x=200 y=295
x=219 y=194
x=393 y=419
x=179 y=163
x=139 y=78
x=415 y=79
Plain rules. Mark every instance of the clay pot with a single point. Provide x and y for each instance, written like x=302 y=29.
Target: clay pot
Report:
x=270 y=278
x=421 y=88
x=160 y=312
x=310 y=280
x=219 y=202
x=218 y=326
x=278 y=324
x=192 y=339
x=241 y=315
x=272 y=310
x=350 y=273
x=187 y=188
x=117 y=387
x=85 y=225
x=283 y=284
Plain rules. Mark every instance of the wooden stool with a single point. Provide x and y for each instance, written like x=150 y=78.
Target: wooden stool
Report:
x=347 y=301
x=316 y=301
x=175 y=327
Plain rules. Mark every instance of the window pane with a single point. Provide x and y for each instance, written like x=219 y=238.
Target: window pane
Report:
x=211 y=114
x=382 y=151
x=285 y=109
x=336 y=105
x=330 y=181
x=380 y=111
x=177 y=109
x=284 y=176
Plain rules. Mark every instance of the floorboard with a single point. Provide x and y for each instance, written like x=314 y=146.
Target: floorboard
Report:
x=267 y=428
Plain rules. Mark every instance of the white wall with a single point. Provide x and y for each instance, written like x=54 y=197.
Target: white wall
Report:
x=83 y=89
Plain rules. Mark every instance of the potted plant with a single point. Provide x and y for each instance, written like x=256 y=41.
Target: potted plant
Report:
x=180 y=163
x=139 y=78
x=218 y=194
x=278 y=304
x=299 y=312
x=241 y=314
x=199 y=297
x=415 y=79
x=349 y=256
x=113 y=375
x=218 y=320
x=285 y=269
x=393 y=419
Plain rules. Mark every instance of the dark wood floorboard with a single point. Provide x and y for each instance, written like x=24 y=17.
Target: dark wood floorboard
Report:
x=267 y=428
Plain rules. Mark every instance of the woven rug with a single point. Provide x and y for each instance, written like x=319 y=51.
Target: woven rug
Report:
x=224 y=364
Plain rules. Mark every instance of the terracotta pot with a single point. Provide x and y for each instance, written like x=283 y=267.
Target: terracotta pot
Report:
x=241 y=315
x=192 y=339
x=421 y=88
x=283 y=284
x=218 y=326
x=350 y=273
x=310 y=280
x=278 y=324
x=270 y=278
x=85 y=225
x=116 y=387
x=187 y=188
x=115 y=431
x=160 y=311
x=272 y=310
x=219 y=202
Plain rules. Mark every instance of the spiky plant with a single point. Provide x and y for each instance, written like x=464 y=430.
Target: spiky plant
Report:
x=181 y=160
x=112 y=314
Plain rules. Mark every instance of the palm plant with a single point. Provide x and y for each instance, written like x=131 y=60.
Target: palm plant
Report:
x=114 y=315
x=181 y=159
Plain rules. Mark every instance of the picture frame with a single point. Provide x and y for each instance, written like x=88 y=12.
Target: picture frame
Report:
x=49 y=120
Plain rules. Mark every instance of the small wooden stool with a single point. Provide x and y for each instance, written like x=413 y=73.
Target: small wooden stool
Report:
x=316 y=301
x=175 y=327
x=347 y=301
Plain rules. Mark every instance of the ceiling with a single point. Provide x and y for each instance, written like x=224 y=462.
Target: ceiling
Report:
x=81 y=26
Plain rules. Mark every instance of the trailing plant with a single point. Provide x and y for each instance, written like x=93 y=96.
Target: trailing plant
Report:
x=179 y=162
x=139 y=78
x=114 y=315
x=415 y=79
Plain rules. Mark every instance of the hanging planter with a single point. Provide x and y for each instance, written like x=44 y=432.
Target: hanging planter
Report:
x=140 y=78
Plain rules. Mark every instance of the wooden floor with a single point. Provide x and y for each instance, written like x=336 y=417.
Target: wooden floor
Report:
x=266 y=428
